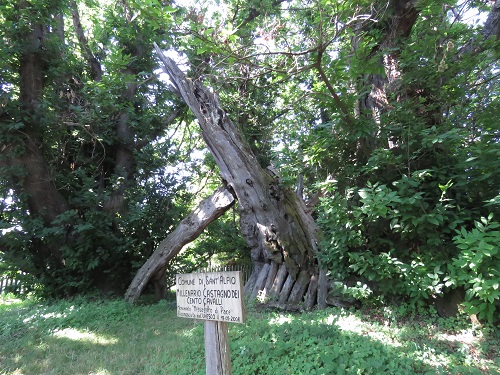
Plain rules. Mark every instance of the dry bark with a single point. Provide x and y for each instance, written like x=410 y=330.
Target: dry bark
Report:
x=188 y=230
x=312 y=291
x=261 y=281
x=271 y=276
x=323 y=285
x=273 y=220
x=278 y=282
x=299 y=288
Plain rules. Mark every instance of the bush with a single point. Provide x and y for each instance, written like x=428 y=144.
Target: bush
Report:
x=476 y=267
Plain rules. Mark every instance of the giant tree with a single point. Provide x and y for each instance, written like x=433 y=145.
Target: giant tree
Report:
x=383 y=81
x=81 y=158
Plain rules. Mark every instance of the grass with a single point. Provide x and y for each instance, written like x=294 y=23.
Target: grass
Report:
x=82 y=336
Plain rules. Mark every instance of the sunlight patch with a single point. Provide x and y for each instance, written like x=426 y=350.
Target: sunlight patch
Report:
x=279 y=320
x=76 y=335
x=349 y=323
x=429 y=356
x=331 y=318
x=5 y=300
x=50 y=315
x=100 y=372
x=465 y=337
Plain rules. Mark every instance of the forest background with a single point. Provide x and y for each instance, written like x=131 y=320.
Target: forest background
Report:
x=381 y=115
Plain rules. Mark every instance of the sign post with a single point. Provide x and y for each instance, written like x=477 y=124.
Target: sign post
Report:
x=217 y=352
x=216 y=298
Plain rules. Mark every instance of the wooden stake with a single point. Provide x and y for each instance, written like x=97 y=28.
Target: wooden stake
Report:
x=217 y=353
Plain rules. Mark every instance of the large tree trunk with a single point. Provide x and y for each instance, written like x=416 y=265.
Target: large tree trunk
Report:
x=274 y=221
x=188 y=230
x=31 y=174
x=402 y=14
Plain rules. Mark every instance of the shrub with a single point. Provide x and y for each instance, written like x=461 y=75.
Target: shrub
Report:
x=476 y=267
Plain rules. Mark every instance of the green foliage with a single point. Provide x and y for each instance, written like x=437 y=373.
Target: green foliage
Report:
x=112 y=176
x=401 y=186
x=45 y=337
x=476 y=268
x=221 y=244
x=368 y=239
x=336 y=342
x=98 y=333
x=401 y=123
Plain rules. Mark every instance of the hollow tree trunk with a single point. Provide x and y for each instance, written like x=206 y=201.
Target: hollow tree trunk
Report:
x=274 y=221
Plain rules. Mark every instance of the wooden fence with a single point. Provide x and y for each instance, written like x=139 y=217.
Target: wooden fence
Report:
x=9 y=284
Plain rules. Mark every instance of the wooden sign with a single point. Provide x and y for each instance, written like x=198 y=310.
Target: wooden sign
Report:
x=215 y=296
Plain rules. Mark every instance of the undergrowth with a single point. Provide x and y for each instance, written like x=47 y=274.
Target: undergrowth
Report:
x=97 y=336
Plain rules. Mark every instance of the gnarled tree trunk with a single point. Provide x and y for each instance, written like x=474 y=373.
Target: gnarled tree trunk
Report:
x=274 y=221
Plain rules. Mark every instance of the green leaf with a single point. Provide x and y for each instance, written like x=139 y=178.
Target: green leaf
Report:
x=433 y=220
x=169 y=9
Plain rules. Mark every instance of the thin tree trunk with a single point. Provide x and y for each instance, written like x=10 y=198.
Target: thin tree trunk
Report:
x=273 y=220
x=188 y=230
x=95 y=66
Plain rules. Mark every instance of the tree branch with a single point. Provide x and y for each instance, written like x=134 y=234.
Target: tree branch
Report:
x=254 y=13
x=340 y=105
x=321 y=50
x=95 y=66
x=188 y=229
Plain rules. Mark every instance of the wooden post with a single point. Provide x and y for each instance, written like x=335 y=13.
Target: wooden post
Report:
x=217 y=298
x=217 y=352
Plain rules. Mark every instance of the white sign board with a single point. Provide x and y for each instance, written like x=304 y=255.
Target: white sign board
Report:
x=211 y=296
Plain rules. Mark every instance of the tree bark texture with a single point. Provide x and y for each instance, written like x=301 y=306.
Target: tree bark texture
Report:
x=188 y=230
x=123 y=149
x=403 y=15
x=273 y=220
x=492 y=24
x=399 y=20
x=44 y=198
